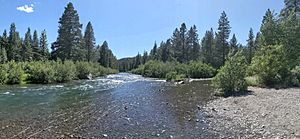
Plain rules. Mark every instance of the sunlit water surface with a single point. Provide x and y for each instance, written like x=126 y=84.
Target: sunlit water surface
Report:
x=117 y=106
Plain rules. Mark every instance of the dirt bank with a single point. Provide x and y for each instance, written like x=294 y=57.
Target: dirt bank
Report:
x=263 y=113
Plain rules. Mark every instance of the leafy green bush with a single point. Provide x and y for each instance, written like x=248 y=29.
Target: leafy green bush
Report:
x=201 y=70
x=83 y=69
x=3 y=73
x=270 y=65
x=16 y=74
x=231 y=77
x=41 y=72
x=64 y=71
x=173 y=76
x=295 y=80
x=156 y=69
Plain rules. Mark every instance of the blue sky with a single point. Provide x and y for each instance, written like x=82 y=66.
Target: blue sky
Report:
x=132 y=26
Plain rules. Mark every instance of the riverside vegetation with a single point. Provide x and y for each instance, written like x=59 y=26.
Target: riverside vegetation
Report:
x=28 y=60
x=270 y=59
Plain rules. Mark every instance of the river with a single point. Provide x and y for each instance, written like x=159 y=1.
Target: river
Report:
x=116 y=106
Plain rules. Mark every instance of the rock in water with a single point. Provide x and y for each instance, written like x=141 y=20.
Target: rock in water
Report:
x=90 y=76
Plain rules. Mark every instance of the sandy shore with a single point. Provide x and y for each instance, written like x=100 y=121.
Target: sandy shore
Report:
x=263 y=113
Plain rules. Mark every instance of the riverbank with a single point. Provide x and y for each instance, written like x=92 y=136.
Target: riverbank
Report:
x=262 y=113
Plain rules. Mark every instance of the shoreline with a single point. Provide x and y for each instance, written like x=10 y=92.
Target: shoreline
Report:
x=263 y=113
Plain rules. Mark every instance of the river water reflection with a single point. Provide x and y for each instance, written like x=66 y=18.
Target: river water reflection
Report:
x=117 y=106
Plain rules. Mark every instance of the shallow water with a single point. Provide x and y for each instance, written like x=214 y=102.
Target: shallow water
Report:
x=116 y=106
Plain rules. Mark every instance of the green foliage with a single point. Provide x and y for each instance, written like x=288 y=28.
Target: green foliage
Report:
x=68 y=44
x=295 y=81
x=201 y=70
x=175 y=70
x=173 y=76
x=83 y=70
x=41 y=72
x=3 y=73
x=16 y=74
x=107 y=58
x=156 y=69
x=89 y=40
x=231 y=77
x=270 y=65
x=65 y=71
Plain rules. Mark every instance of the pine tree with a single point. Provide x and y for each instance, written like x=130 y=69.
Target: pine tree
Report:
x=68 y=44
x=138 y=60
x=223 y=35
x=153 y=53
x=290 y=29
x=89 y=39
x=44 y=51
x=145 y=57
x=3 y=55
x=183 y=44
x=14 y=44
x=193 y=44
x=207 y=46
x=35 y=47
x=257 y=40
x=103 y=54
x=4 y=40
x=27 y=54
x=269 y=30
x=290 y=6
x=233 y=44
x=164 y=53
x=250 y=46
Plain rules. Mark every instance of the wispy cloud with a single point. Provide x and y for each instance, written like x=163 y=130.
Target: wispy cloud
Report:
x=26 y=8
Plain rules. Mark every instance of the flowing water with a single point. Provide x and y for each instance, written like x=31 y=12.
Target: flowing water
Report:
x=117 y=106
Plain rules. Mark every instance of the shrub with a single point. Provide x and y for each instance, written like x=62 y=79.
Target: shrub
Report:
x=41 y=72
x=16 y=74
x=295 y=78
x=156 y=69
x=3 y=74
x=201 y=70
x=83 y=69
x=173 y=76
x=270 y=65
x=65 y=71
x=231 y=77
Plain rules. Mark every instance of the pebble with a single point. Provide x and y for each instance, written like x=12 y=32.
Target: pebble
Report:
x=105 y=135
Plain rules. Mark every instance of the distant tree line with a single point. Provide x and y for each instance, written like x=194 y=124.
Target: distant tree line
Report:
x=70 y=44
x=185 y=46
x=213 y=49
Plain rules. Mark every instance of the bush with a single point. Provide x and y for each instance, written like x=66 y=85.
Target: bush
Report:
x=64 y=71
x=3 y=73
x=295 y=78
x=157 y=69
x=16 y=74
x=41 y=72
x=83 y=69
x=173 y=76
x=201 y=70
x=270 y=66
x=231 y=77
